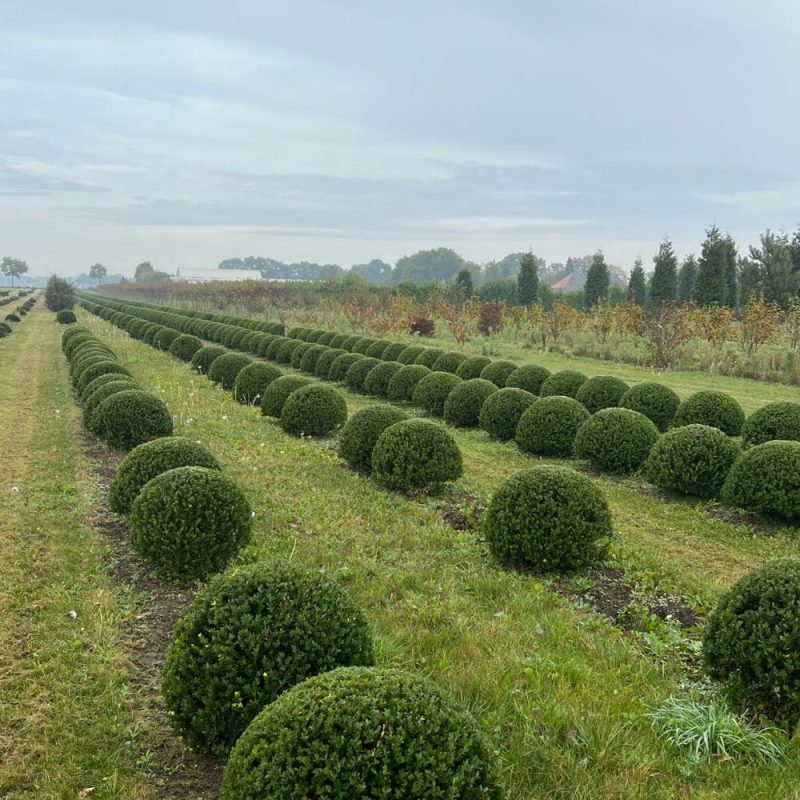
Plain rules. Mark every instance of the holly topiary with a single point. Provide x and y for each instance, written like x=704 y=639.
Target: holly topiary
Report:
x=358 y=437
x=189 y=522
x=409 y=354
x=313 y=410
x=358 y=371
x=91 y=401
x=428 y=357
x=250 y=635
x=150 y=459
x=130 y=418
x=205 y=357
x=163 y=339
x=225 y=368
x=549 y=426
x=375 y=350
x=563 y=384
x=462 y=407
x=404 y=381
x=616 y=439
x=448 y=362
x=432 y=391
x=772 y=421
x=362 y=732
x=548 y=519
x=752 y=640
x=66 y=317
x=656 y=401
x=717 y=409
x=252 y=380
x=602 y=391
x=693 y=460
x=498 y=371
x=339 y=368
x=766 y=479
x=96 y=370
x=184 y=347
x=325 y=362
x=377 y=381
x=276 y=392
x=416 y=453
x=472 y=367
x=501 y=412
x=284 y=354
x=310 y=356
x=528 y=377
x=393 y=351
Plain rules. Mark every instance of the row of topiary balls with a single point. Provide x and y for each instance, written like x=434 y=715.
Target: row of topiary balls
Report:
x=15 y=316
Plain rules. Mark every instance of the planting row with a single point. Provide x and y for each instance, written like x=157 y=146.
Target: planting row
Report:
x=15 y=316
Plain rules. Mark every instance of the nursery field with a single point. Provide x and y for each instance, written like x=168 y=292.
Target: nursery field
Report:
x=569 y=676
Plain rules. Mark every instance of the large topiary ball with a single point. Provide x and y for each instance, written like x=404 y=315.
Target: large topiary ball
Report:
x=92 y=400
x=130 y=418
x=501 y=412
x=78 y=330
x=248 y=388
x=717 y=409
x=528 y=377
x=358 y=437
x=185 y=346
x=693 y=460
x=147 y=460
x=339 y=368
x=189 y=522
x=656 y=401
x=497 y=372
x=766 y=479
x=616 y=439
x=393 y=351
x=563 y=384
x=250 y=635
x=472 y=367
x=549 y=426
x=752 y=640
x=404 y=381
x=366 y=733
x=224 y=369
x=548 y=519
x=96 y=370
x=428 y=357
x=447 y=362
x=410 y=354
x=602 y=391
x=325 y=361
x=462 y=407
x=313 y=410
x=66 y=317
x=377 y=381
x=772 y=421
x=433 y=390
x=276 y=392
x=205 y=357
x=358 y=371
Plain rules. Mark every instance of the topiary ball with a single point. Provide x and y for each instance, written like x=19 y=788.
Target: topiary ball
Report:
x=205 y=357
x=447 y=362
x=276 y=392
x=393 y=351
x=325 y=361
x=164 y=338
x=250 y=635
x=656 y=401
x=433 y=390
x=472 y=367
x=337 y=341
x=616 y=440
x=66 y=317
x=339 y=368
x=299 y=353
x=189 y=522
x=310 y=356
x=287 y=347
x=766 y=479
x=501 y=412
x=410 y=354
x=130 y=418
x=497 y=372
x=772 y=421
x=362 y=732
x=404 y=381
x=362 y=345
x=102 y=380
x=528 y=377
x=752 y=640
x=313 y=410
x=92 y=400
x=693 y=460
x=462 y=407
x=548 y=519
x=550 y=425
x=377 y=381
x=184 y=347
x=358 y=437
x=563 y=384
x=96 y=370
x=602 y=391
x=147 y=460
x=428 y=357
x=375 y=350
x=248 y=388
x=358 y=371
x=223 y=370
x=716 y=409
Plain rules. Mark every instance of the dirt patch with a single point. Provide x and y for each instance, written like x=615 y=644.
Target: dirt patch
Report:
x=460 y=509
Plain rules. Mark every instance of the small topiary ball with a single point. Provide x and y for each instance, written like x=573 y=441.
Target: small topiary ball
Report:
x=393 y=351
x=299 y=352
x=184 y=347
x=616 y=440
x=96 y=370
x=602 y=391
x=224 y=369
x=410 y=354
x=276 y=392
x=205 y=357
x=548 y=519
x=358 y=437
x=362 y=345
x=717 y=409
x=563 y=384
x=528 y=377
x=656 y=401
x=766 y=479
x=147 y=460
x=752 y=640
x=498 y=371
x=338 y=369
x=163 y=339
x=463 y=405
x=130 y=418
x=550 y=425
x=271 y=353
x=90 y=402
x=362 y=732
x=377 y=381
x=349 y=343
x=338 y=340
x=416 y=453
x=325 y=361
x=250 y=635
x=433 y=390
x=358 y=371
x=772 y=421
x=404 y=381
x=310 y=355
x=252 y=380
x=428 y=357
x=313 y=410
x=375 y=350
x=109 y=377
x=501 y=412
x=472 y=367
x=78 y=330
x=447 y=362
x=66 y=317
x=693 y=460
x=87 y=357
x=284 y=354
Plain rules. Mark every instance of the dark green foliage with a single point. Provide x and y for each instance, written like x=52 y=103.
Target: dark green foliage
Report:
x=528 y=377
x=90 y=401
x=772 y=421
x=463 y=405
x=189 y=522
x=447 y=362
x=349 y=343
x=152 y=332
x=637 y=288
x=325 y=361
x=249 y=636
x=147 y=460
x=664 y=283
x=564 y=383
x=366 y=733
x=616 y=439
x=428 y=357
x=89 y=357
x=527 y=280
x=96 y=370
x=548 y=519
x=687 y=275
x=225 y=368
x=693 y=460
x=410 y=354
x=377 y=381
x=362 y=345
x=313 y=410
x=416 y=453
x=717 y=409
x=656 y=401
x=310 y=356
x=501 y=412
x=497 y=372
x=164 y=338
x=65 y=317
x=205 y=356
x=357 y=373
x=70 y=333
x=358 y=437
x=549 y=426
x=130 y=418
x=393 y=351
x=752 y=640
x=710 y=285
x=4 y=330
x=252 y=380
x=284 y=354
x=375 y=350
x=109 y=377
x=339 y=368
x=297 y=354
x=326 y=337
x=338 y=339
x=14 y=317
x=602 y=391
x=271 y=353
x=598 y=281
x=276 y=392
x=404 y=381
x=463 y=285
x=184 y=347
x=59 y=294
x=472 y=367
x=432 y=391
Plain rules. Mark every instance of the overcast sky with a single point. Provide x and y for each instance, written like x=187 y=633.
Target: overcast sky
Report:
x=186 y=132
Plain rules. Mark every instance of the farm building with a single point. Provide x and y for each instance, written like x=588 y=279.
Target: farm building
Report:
x=203 y=275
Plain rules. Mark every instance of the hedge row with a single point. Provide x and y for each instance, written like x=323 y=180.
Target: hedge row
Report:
x=16 y=316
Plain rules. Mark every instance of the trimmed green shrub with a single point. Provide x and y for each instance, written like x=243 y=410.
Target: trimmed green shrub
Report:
x=326 y=338
x=549 y=426
x=151 y=333
x=433 y=390
x=563 y=384
x=616 y=440
x=66 y=317
x=264 y=343
x=766 y=479
x=751 y=641
x=164 y=338
x=601 y=391
x=349 y=343
x=375 y=350
x=88 y=357
x=358 y=437
x=416 y=453
x=299 y=352
x=96 y=370
x=497 y=372
x=410 y=354
x=462 y=407
x=656 y=401
x=393 y=351
x=205 y=357
x=428 y=357
x=250 y=635
x=225 y=368
x=147 y=460
x=377 y=381
x=313 y=410
x=12 y=317
x=693 y=460
x=448 y=362
x=772 y=421
x=358 y=371
x=310 y=356
x=404 y=381
x=78 y=330
x=528 y=377
x=472 y=367
x=339 y=368
x=502 y=410
x=337 y=340
x=189 y=522
x=361 y=732
x=91 y=401
x=5 y=330
x=716 y=409
x=184 y=347
x=130 y=418
x=252 y=380
x=73 y=342
x=284 y=354
x=109 y=377
x=325 y=362
x=271 y=352
x=548 y=519
x=362 y=345
x=276 y=392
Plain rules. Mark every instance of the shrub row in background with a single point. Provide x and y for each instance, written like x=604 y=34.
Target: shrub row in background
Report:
x=6 y=326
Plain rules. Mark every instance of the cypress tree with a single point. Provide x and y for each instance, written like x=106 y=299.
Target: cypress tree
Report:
x=686 y=278
x=637 y=288
x=527 y=280
x=731 y=272
x=598 y=281
x=464 y=283
x=664 y=285
x=710 y=286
